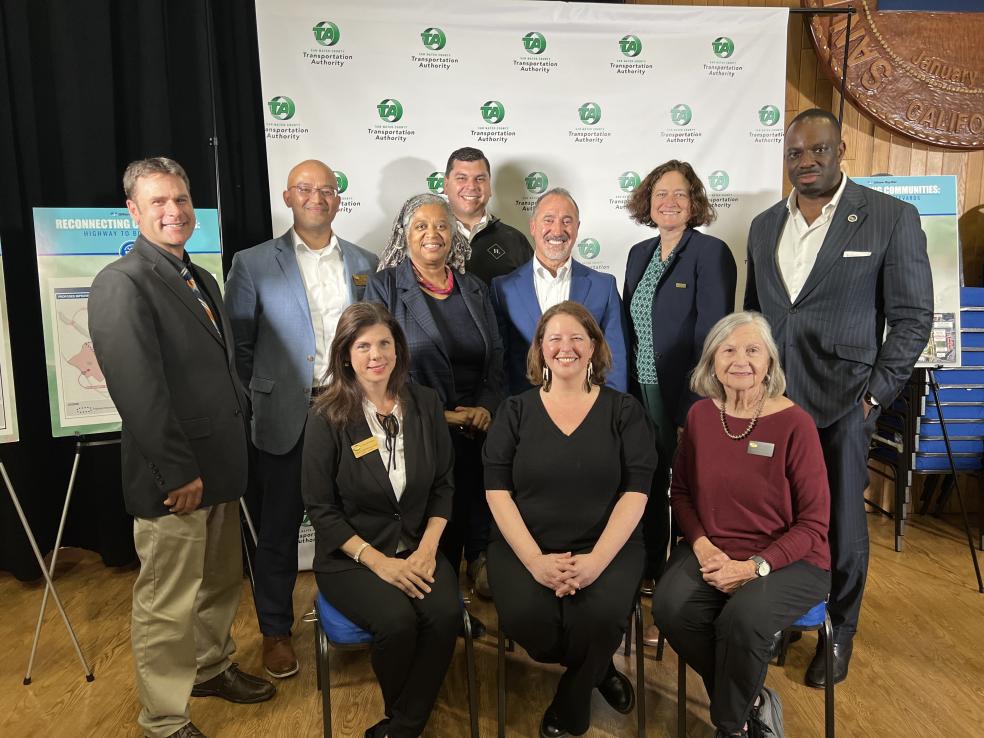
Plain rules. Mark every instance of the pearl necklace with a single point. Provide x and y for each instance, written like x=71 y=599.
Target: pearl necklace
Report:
x=751 y=425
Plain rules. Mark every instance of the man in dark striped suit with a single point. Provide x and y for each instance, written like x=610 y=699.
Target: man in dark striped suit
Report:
x=831 y=267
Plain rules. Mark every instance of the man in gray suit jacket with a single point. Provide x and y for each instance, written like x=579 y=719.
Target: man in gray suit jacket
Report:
x=831 y=268
x=284 y=299
x=164 y=344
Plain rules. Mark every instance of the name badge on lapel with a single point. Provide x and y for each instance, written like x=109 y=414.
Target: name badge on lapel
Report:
x=756 y=448
x=682 y=285
x=360 y=280
x=367 y=446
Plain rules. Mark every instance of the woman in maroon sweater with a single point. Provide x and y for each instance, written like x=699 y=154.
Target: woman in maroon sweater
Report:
x=750 y=494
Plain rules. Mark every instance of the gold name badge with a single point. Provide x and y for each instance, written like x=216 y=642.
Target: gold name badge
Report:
x=360 y=280
x=682 y=285
x=367 y=446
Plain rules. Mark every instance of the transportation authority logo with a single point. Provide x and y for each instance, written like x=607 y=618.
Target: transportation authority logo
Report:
x=630 y=45
x=534 y=43
x=681 y=114
x=718 y=180
x=628 y=181
x=589 y=248
x=126 y=247
x=282 y=107
x=590 y=113
x=435 y=183
x=433 y=38
x=536 y=183
x=723 y=47
x=390 y=110
x=493 y=111
x=342 y=181
x=326 y=33
x=769 y=115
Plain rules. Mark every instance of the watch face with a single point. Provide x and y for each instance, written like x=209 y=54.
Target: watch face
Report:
x=764 y=568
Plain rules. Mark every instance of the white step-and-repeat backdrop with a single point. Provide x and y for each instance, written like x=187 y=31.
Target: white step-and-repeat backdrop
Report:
x=584 y=96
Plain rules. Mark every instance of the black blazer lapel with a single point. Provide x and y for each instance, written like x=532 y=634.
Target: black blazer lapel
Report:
x=416 y=304
x=372 y=463
x=414 y=450
x=770 y=247
x=846 y=221
x=173 y=281
x=472 y=295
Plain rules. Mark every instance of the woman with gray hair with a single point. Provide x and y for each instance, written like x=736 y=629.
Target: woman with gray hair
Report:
x=750 y=494
x=455 y=349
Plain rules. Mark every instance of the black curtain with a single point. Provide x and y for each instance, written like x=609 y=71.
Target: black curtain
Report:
x=88 y=87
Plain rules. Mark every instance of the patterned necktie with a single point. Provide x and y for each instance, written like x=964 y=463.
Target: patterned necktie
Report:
x=187 y=277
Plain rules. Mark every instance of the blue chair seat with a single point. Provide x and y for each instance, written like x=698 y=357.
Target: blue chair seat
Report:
x=334 y=630
x=340 y=630
x=812 y=619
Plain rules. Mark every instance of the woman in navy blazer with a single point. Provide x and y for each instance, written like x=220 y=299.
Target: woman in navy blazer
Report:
x=455 y=349
x=677 y=286
x=376 y=482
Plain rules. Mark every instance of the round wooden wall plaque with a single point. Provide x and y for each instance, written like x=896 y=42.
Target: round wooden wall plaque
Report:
x=921 y=74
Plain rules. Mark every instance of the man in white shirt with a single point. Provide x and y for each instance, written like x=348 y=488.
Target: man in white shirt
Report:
x=831 y=267
x=550 y=277
x=284 y=298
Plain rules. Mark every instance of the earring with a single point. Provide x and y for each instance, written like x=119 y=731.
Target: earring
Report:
x=587 y=377
x=546 y=379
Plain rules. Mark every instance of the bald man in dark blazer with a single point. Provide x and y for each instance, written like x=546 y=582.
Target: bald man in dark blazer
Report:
x=831 y=268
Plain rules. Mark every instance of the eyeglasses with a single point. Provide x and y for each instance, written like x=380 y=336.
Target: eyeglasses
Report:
x=306 y=190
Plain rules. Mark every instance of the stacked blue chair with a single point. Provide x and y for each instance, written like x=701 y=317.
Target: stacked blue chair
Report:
x=815 y=619
x=334 y=630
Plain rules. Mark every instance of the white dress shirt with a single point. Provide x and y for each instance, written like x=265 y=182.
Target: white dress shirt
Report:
x=800 y=243
x=323 y=274
x=550 y=289
x=398 y=472
x=469 y=232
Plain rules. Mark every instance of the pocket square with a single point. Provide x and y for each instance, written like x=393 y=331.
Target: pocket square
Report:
x=850 y=254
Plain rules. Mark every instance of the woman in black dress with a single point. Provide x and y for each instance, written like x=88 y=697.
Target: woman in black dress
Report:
x=568 y=466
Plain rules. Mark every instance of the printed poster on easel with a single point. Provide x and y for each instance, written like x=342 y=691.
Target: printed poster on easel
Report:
x=8 y=407
x=73 y=244
x=935 y=197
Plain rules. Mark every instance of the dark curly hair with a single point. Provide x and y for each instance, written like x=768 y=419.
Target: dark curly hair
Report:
x=640 y=203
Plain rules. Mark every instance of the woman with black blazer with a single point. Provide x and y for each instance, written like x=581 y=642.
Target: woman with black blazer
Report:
x=454 y=348
x=677 y=286
x=377 y=485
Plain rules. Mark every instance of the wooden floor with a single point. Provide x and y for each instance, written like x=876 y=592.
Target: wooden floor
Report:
x=918 y=667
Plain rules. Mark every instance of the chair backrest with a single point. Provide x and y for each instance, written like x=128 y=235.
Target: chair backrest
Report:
x=340 y=630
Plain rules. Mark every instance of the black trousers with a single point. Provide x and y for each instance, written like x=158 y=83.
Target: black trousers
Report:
x=471 y=519
x=845 y=451
x=580 y=632
x=413 y=640
x=727 y=639
x=656 y=517
x=275 y=568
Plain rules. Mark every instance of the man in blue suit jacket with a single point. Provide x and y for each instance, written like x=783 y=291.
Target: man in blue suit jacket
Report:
x=284 y=298
x=550 y=277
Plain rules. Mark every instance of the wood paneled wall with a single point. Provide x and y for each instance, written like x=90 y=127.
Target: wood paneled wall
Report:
x=872 y=149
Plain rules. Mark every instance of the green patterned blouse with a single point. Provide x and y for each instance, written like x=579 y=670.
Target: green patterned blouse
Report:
x=641 y=311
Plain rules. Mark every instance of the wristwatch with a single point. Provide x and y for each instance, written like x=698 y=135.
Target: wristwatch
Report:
x=762 y=567
x=870 y=399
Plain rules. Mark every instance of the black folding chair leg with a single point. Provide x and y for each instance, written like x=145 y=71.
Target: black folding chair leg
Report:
x=501 y=681
x=470 y=669
x=828 y=714
x=681 y=697
x=325 y=685
x=640 y=671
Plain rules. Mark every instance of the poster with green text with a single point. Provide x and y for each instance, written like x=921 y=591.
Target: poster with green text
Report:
x=8 y=408
x=73 y=244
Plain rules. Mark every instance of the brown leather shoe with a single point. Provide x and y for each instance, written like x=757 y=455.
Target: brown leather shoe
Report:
x=188 y=731
x=235 y=686
x=279 y=660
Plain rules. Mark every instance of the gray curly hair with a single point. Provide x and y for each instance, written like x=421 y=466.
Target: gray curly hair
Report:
x=396 y=250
